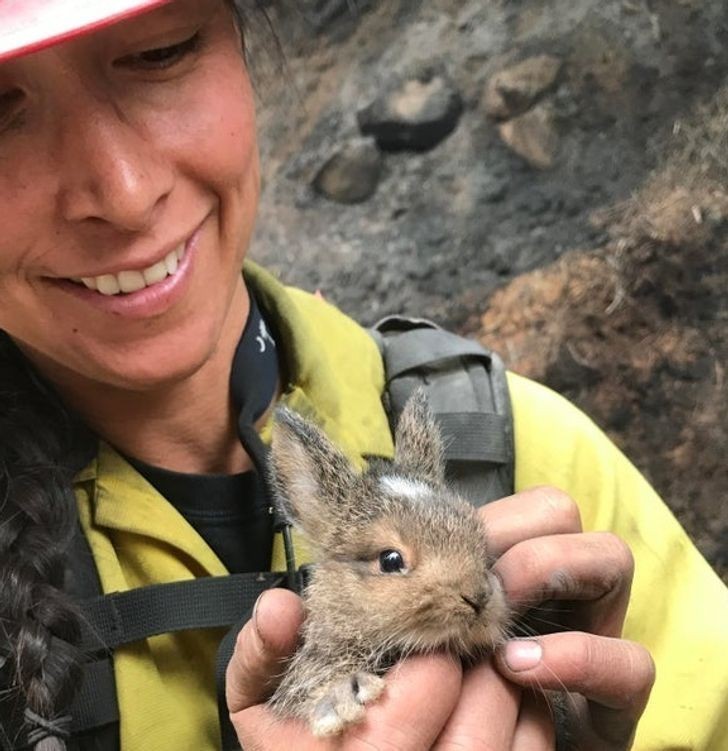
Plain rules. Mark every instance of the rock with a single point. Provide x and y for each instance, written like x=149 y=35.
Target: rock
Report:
x=415 y=114
x=322 y=13
x=513 y=90
x=532 y=136
x=352 y=174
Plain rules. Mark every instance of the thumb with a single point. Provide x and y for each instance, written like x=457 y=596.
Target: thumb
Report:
x=267 y=638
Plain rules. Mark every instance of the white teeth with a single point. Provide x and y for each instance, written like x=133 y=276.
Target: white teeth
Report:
x=171 y=263
x=155 y=273
x=107 y=284
x=133 y=281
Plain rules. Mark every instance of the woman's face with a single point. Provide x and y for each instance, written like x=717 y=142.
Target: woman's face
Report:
x=128 y=190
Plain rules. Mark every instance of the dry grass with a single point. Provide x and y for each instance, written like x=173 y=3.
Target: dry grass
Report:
x=686 y=199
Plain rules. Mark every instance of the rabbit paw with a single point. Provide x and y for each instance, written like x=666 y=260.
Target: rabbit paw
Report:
x=343 y=704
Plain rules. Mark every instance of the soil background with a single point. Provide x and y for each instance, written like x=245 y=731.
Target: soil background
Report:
x=577 y=224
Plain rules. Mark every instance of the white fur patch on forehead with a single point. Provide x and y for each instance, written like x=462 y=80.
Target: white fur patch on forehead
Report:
x=394 y=485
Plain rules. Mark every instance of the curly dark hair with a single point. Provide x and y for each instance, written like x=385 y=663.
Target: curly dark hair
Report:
x=40 y=666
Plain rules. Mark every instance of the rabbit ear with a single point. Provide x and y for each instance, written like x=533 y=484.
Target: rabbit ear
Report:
x=418 y=442
x=310 y=475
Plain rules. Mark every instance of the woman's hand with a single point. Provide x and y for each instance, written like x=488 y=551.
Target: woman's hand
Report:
x=429 y=703
x=408 y=718
x=543 y=558
x=423 y=696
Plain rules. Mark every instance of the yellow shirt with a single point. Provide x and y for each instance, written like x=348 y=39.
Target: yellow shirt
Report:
x=679 y=608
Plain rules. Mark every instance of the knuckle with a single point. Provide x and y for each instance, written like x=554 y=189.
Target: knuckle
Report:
x=639 y=675
x=644 y=668
x=621 y=554
x=561 y=507
x=522 y=565
x=583 y=657
x=563 y=584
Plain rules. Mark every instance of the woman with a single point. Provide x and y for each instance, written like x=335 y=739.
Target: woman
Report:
x=128 y=187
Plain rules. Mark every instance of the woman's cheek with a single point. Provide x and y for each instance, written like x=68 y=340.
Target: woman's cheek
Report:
x=209 y=135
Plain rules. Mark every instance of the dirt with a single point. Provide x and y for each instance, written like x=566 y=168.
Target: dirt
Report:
x=603 y=275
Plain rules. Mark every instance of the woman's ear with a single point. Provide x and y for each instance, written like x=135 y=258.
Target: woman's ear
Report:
x=417 y=440
x=311 y=477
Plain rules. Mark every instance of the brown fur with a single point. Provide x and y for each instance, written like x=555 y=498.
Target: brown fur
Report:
x=359 y=619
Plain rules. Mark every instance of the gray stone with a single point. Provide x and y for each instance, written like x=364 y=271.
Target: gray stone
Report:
x=532 y=136
x=415 y=114
x=352 y=174
x=513 y=90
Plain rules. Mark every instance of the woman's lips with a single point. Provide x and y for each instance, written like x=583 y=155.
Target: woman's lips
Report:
x=149 y=301
x=129 y=281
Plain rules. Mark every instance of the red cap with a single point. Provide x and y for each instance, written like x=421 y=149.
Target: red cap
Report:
x=30 y=25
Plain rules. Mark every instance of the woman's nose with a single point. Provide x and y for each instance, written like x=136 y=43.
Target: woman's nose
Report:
x=110 y=171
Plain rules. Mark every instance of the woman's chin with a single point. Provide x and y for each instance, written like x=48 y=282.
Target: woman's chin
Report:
x=133 y=366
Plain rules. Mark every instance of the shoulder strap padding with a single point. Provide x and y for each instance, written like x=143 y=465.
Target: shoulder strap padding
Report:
x=467 y=390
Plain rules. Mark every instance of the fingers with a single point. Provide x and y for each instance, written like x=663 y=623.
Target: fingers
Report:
x=614 y=675
x=269 y=636
x=535 y=728
x=528 y=514
x=421 y=694
x=486 y=714
x=596 y=568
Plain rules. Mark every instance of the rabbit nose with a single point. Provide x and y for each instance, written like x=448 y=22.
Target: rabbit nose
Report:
x=476 y=601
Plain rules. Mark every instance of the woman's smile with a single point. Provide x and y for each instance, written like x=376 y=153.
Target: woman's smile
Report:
x=136 y=290
x=131 y=280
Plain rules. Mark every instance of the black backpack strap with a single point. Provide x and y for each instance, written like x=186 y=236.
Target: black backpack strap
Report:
x=210 y=602
x=467 y=390
x=110 y=621
x=121 y=618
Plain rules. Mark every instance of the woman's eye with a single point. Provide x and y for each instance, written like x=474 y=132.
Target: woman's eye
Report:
x=391 y=562
x=161 y=57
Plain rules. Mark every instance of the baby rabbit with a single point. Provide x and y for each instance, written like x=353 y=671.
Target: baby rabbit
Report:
x=403 y=566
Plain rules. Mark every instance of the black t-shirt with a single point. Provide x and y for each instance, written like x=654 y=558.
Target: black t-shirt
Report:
x=231 y=512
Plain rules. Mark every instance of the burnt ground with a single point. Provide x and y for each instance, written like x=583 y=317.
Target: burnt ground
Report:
x=602 y=274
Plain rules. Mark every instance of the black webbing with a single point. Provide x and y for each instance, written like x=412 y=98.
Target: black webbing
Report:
x=474 y=436
x=125 y=617
x=95 y=704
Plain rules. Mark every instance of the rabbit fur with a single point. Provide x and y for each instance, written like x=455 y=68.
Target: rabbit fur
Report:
x=364 y=610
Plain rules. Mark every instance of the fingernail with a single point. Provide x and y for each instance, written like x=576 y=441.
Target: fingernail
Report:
x=254 y=617
x=522 y=655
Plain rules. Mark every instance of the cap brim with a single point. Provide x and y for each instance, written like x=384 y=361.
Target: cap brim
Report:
x=31 y=25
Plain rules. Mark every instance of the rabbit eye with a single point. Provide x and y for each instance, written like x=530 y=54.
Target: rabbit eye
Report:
x=391 y=562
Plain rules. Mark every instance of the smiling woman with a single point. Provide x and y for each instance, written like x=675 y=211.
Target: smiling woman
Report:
x=129 y=183
x=138 y=370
